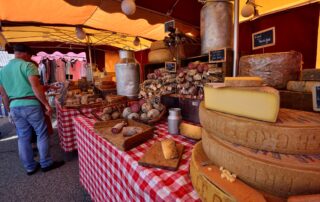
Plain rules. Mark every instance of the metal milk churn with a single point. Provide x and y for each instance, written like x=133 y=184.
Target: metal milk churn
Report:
x=174 y=120
x=127 y=74
x=216 y=25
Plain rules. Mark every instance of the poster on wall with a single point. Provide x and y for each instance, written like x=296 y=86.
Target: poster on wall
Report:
x=264 y=38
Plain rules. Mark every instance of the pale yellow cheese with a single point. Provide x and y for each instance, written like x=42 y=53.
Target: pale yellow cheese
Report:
x=261 y=103
x=191 y=131
x=243 y=81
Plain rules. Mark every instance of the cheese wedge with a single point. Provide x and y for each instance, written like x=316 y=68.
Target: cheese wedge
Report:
x=190 y=131
x=243 y=81
x=260 y=103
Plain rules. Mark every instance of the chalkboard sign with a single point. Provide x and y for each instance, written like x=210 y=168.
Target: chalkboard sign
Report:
x=316 y=97
x=264 y=38
x=217 y=56
x=168 y=25
x=171 y=66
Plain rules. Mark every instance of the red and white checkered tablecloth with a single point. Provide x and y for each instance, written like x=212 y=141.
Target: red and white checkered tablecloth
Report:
x=67 y=136
x=109 y=174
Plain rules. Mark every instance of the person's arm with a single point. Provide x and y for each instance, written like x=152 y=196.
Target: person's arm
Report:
x=5 y=98
x=39 y=93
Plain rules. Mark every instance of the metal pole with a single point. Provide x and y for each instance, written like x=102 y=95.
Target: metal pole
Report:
x=236 y=38
x=90 y=57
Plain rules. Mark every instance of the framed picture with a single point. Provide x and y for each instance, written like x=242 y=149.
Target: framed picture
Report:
x=264 y=38
x=218 y=55
x=316 y=98
x=171 y=66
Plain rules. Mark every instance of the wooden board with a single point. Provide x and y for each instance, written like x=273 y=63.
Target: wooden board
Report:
x=154 y=158
x=103 y=128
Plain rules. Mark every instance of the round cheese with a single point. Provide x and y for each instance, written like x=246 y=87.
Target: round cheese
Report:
x=278 y=174
x=210 y=186
x=157 y=45
x=295 y=132
x=160 y=55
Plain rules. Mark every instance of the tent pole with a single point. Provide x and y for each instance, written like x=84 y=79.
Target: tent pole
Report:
x=236 y=38
x=90 y=57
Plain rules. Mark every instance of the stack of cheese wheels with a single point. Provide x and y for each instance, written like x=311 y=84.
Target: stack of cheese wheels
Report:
x=273 y=150
x=159 y=53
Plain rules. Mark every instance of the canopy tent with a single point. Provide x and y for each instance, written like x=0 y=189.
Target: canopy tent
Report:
x=67 y=35
x=105 y=20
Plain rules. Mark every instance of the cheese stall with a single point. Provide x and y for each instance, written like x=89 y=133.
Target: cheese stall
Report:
x=208 y=100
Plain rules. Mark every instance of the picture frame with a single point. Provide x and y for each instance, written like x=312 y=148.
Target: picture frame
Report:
x=169 y=24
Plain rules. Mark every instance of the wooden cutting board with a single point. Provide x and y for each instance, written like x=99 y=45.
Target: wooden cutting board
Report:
x=154 y=158
x=103 y=128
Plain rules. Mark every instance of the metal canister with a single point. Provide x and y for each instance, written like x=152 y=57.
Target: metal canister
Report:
x=174 y=120
x=216 y=25
x=127 y=74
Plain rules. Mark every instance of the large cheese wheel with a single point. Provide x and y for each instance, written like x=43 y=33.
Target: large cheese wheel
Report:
x=278 y=174
x=276 y=69
x=302 y=86
x=160 y=55
x=211 y=187
x=295 y=132
x=157 y=45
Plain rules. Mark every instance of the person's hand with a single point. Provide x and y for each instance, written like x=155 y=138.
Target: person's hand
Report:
x=10 y=118
x=48 y=110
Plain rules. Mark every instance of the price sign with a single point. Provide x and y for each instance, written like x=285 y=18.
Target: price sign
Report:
x=217 y=56
x=171 y=66
x=170 y=24
x=264 y=38
x=316 y=97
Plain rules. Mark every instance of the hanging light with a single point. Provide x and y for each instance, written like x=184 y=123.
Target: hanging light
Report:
x=249 y=9
x=136 y=41
x=80 y=33
x=128 y=7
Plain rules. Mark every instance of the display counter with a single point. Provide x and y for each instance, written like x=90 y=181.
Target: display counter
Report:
x=109 y=174
x=67 y=136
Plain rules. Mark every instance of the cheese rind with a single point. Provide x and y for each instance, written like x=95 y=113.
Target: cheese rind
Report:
x=211 y=187
x=191 y=131
x=276 y=69
x=261 y=103
x=282 y=175
x=302 y=86
x=295 y=132
x=243 y=81
x=310 y=75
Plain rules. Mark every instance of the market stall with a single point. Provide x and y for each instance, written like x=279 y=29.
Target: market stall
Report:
x=201 y=123
x=110 y=174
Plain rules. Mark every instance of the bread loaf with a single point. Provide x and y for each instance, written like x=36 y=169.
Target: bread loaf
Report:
x=169 y=149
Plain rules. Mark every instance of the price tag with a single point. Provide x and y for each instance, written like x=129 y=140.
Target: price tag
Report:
x=217 y=56
x=264 y=38
x=316 y=98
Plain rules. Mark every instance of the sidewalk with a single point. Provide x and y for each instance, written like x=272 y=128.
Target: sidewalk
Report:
x=57 y=185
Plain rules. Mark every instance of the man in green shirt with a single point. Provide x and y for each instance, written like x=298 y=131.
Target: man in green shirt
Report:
x=22 y=95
